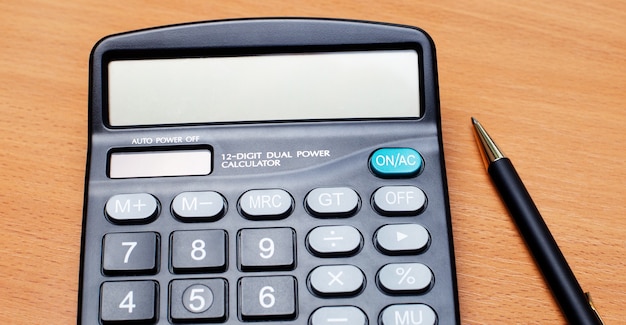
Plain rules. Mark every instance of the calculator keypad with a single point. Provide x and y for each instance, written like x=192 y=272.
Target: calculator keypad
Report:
x=199 y=289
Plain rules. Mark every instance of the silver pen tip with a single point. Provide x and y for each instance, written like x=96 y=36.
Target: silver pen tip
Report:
x=490 y=151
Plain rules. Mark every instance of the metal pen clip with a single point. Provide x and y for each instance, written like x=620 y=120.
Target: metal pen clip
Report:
x=593 y=307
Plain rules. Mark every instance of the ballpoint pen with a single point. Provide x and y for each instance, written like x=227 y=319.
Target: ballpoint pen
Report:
x=575 y=304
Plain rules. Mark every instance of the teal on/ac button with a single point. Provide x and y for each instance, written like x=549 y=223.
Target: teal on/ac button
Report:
x=396 y=162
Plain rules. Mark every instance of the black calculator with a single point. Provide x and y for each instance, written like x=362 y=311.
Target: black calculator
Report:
x=266 y=171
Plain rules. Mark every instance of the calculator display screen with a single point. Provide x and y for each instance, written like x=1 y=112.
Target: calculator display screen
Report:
x=329 y=85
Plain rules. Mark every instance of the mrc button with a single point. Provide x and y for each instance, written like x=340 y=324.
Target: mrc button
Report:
x=396 y=162
x=266 y=204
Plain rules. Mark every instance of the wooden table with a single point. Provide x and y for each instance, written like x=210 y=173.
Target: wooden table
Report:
x=547 y=79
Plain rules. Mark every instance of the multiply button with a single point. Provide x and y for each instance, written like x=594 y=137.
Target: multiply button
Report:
x=342 y=280
x=399 y=200
x=128 y=208
x=332 y=201
x=396 y=162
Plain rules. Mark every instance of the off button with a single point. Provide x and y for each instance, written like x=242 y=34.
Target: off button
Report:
x=396 y=162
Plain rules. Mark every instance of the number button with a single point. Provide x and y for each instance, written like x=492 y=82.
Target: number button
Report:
x=198 y=251
x=130 y=253
x=267 y=298
x=266 y=249
x=198 y=300
x=128 y=301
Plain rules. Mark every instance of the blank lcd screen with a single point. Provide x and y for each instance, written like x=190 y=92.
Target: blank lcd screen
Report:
x=160 y=163
x=329 y=85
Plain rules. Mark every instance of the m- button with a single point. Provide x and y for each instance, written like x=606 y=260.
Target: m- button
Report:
x=199 y=206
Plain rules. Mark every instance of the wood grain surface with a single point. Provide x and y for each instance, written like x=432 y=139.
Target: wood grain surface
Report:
x=546 y=78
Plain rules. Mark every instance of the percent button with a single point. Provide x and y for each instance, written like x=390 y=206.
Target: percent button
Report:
x=405 y=277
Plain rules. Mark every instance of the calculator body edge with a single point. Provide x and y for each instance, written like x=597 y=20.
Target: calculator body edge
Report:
x=332 y=153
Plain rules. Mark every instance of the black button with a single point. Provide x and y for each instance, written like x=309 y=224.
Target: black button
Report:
x=266 y=249
x=130 y=253
x=198 y=300
x=199 y=251
x=127 y=301
x=267 y=298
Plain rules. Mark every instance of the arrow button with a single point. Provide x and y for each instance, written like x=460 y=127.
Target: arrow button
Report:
x=401 y=239
x=401 y=236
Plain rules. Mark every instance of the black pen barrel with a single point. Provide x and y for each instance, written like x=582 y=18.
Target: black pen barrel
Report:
x=548 y=256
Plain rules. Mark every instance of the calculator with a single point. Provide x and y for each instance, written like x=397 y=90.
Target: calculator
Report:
x=266 y=171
